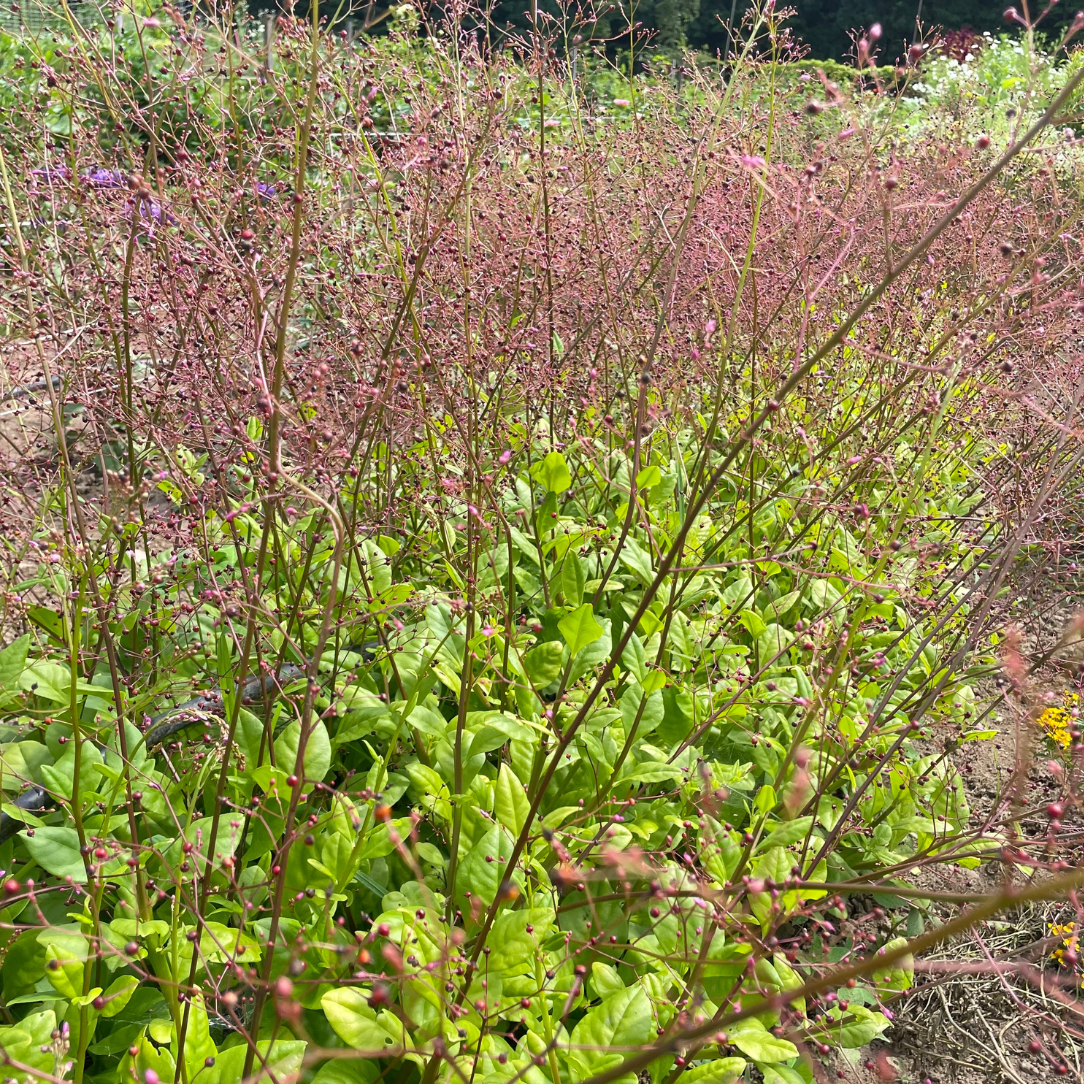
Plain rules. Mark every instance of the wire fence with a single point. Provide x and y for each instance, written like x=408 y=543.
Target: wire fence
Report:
x=37 y=18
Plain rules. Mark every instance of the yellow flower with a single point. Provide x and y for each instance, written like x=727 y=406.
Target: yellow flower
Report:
x=1070 y=940
x=1057 y=721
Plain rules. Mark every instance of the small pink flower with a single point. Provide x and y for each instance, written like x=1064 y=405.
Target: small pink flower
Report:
x=504 y=456
x=709 y=328
x=752 y=161
x=621 y=101
x=488 y=631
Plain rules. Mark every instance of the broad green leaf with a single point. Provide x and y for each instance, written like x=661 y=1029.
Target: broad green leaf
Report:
x=198 y=1045
x=64 y=968
x=766 y=799
x=354 y=1021
x=716 y=1071
x=637 y=560
x=118 y=994
x=772 y=641
x=633 y=707
x=347 y=1071
x=485 y=865
x=12 y=662
x=283 y=1060
x=898 y=976
x=317 y=750
x=781 y=1074
x=572 y=579
x=610 y=1032
x=511 y=806
x=822 y=594
x=788 y=832
x=579 y=629
x=648 y=477
x=753 y=622
x=543 y=663
x=752 y=1038
x=853 y=1028
x=21 y=763
x=605 y=979
x=24 y=964
x=29 y=1043
x=56 y=850
x=552 y=472
x=634 y=658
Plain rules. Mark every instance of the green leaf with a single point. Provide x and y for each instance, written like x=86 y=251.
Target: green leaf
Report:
x=24 y=964
x=511 y=804
x=552 y=472
x=24 y=1044
x=773 y=640
x=781 y=1074
x=716 y=1071
x=899 y=975
x=608 y=1033
x=427 y=721
x=753 y=622
x=788 y=832
x=766 y=799
x=348 y=1012
x=21 y=763
x=56 y=850
x=822 y=594
x=648 y=477
x=579 y=629
x=283 y=1058
x=543 y=663
x=650 y=714
x=149 y=1056
x=118 y=994
x=64 y=967
x=485 y=865
x=634 y=658
x=861 y=1027
x=637 y=560
x=605 y=979
x=752 y=1038
x=347 y=1071
x=498 y=731
x=782 y=606
x=317 y=750
x=198 y=1045
x=572 y=579
x=12 y=661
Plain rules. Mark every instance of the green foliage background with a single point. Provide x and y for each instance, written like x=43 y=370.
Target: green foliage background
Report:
x=823 y=26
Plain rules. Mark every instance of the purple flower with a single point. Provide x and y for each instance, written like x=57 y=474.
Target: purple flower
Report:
x=52 y=174
x=266 y=191
x=150 y=210
x=105 y=178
